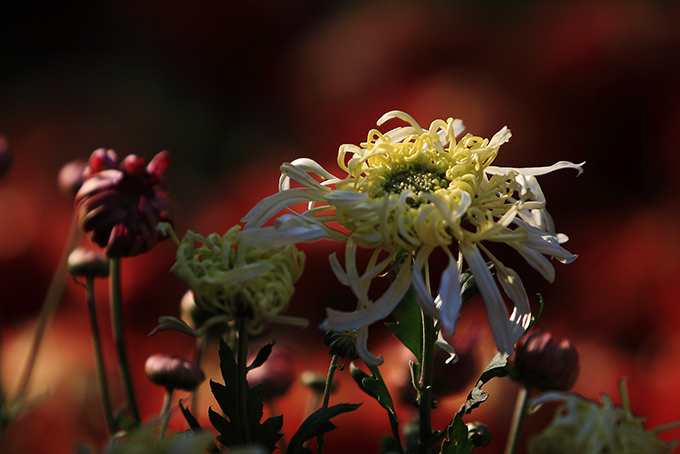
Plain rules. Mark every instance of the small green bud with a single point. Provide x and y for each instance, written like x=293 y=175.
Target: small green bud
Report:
x=342 y=343
x=87 y=263
x=479 y=434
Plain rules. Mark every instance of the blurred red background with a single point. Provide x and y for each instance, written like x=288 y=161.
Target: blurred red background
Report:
x=232 y=89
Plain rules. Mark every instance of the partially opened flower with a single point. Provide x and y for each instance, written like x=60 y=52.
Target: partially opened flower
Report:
x=120 y=203
x=237 y=280
x=417 y=189
x=586 y=427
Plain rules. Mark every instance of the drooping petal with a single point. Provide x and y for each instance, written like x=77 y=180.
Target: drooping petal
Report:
x=362 y=348
x=268 y=207
x=448 y=301
x=423 y=296
x=496 y=312
x=380 y=309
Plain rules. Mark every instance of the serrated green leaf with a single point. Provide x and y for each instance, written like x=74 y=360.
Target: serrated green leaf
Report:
x=496 y=368
x=409 y=325
x=316 y=424
x=457 y=441
x=196 y=427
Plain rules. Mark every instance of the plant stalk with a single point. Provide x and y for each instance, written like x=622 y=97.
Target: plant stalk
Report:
x=119 y=339
x=425 y=385
x=165 y=413
x=517 y=420
x=320 y=443
x=99 y=357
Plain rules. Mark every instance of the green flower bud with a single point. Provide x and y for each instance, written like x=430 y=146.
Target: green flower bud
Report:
x=479 y=434
x=87 y=263
x=342 y=343
x=173 y=372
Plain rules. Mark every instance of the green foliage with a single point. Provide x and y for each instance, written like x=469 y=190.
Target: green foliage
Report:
x=227 y=396
x=496 y=368
x=316 y=424
x=457 y=441
x=145 y=441
x=374 y=386
x=409 y=325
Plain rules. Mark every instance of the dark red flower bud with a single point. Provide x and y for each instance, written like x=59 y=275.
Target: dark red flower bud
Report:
x=87 y=263
x=70 y=177
x=541 y=364
x=276 y=375
x=120 y=203
x=173 y=372
x=6 y=157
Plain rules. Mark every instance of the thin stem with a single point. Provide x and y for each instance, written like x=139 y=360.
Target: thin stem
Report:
x=49 y=307
x=165 y=413
x=425 y=385
x=242 y=358
x=517 y=420
x=118 y=337
x=199 y=353
x=326 y=397
x=99 y=357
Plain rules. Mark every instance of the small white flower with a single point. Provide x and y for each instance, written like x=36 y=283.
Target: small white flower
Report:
x=415 y=190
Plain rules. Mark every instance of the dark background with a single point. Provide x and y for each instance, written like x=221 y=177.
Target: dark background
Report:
x=232 y=89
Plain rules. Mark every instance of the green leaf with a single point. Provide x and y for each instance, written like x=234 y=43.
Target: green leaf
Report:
x=409 y=325
x=457 y=441
x=374 y=386
x=226 y=395
x=262 y=356
x=496 y=368
x=175 y=324
x=316 y=424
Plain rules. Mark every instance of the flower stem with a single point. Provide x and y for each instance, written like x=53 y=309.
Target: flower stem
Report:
x=199 y=353
x=99 y=358
x=165 y=413
x=326 y=397
x=425 y=385
x=242 y=358
x=118 y=337
x=517 y=420
x=49 y=307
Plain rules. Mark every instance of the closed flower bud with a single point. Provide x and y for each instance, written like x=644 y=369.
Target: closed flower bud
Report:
x=191 y=314
x=276 y=375
x=541 y=364
x=173 y=372
x=120 y=203
x=70 y=177
x=479 y=434
x=342 y=343
x=87 y=263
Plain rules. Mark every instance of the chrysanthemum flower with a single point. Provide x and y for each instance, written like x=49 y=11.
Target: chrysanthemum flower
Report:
x=237 y=280
x=587 y=427
x=120 y=203
x=415 y=190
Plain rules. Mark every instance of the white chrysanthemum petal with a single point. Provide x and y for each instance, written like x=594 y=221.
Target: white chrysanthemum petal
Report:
x=496 y=312
x=500 y=137
x=345 y=198
x=338 y=270
x=448 y=348
x=423 y=296
x=288 y=229
x=536 y=260
x=380 y=309
x=448 y=301
x=268 y=207
x=299 y=170
x=537 y=171
x=362 y=348
x=514 y=288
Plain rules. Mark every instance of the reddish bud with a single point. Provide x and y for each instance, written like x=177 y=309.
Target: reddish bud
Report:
x=71 y=177
x=541 y=364
x=120 y=203
x=87 y=263
x=276 y=375
x=173 y=372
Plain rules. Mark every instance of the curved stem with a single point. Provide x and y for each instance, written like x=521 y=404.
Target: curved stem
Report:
x=243 y=383
x=517 y=420
x=99 y=357
x=326 y=397
x=118 y=337
x=425 y=385
x=165 y=413
x=49 y=307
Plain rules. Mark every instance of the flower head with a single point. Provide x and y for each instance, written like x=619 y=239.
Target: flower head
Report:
x=418 y=189
x=238 y=280
x=587 y=427
x=120 y=203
